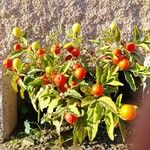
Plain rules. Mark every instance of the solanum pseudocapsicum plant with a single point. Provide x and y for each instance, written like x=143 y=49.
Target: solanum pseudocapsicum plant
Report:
x=76 y=87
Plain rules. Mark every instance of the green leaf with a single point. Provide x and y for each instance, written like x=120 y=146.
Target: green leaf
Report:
x=14 y=83
x=27 y=80
x=114 y=70
x=52 y=105
x=33 y=71
x=44 y=103
x=137 y=57
x=73 y=93
x=79 y=132
x=35 y=97
x=130 y=80
x=104 y=75
x=65 y=67
x=136 y=34
x=122 y=129
x=108 y=104
x=15 y=54
x=74 y=110
x=115 y=83
x=117 y=35
x=144 y=46
x=37 y=81
x=24 y=41
x=70 y=80
x=110 y=125
x=44 y=100
x=86 y=89
x=21 y=84
x=94 y=115
x=27 y=127
x=22 y=90
x=111 y=89
x=57 y=124
x=118 y=101
x=98 y=74
x=87 y=100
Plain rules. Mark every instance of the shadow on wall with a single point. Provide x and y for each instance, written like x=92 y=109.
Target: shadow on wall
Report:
x=141 y=136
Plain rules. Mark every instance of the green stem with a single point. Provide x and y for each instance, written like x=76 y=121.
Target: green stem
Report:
x=38 y=114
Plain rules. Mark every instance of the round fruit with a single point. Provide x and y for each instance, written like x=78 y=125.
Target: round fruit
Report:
x=56 y=48
x=80 y=73
x=17 y=32
x=75 y=52
x=53 y=74
x=117 y=52
x=77 y=65
x=70 y=118
x=115 y=61
x=17 y=47
x=121 y=57
x=68 y=57
x=76 y=28
x=48 y=70
x=7 y=63
x=69 y=46
x=124 y=64
x=16 y=63
x=70 y=49
x=40 y=52
x=62 y=88
x=60 y=79
x=97 y=90
x=45 y=80
x=128 y=112
x=113 y=26
x=131 y=47
x=35 y=45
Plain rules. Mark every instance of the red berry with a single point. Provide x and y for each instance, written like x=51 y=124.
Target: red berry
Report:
x=40 y=52
x=124 y=64
x=75 y=52
x=80 y=73
x=17 y=47
x=117 y=52
x=68 y=57
x=69 y=49
x=115 y=61
x=131 y=47
x=77 y=65
x=7 y=63
x=60 y=79
x=53 y=74
x=56 y=49
x=97 y=89
x=121 y=57
x=62 y=88
x=70 y=118
x=45 y=80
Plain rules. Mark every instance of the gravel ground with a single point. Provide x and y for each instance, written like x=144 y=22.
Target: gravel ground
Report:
x=48 y=142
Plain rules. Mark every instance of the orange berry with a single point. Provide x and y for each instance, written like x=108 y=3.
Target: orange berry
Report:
x=128 y=112
x=124 y=64
x=97 y=90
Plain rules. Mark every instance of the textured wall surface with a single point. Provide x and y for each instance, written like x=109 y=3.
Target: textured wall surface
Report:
x=8 y=109
x=38 y=17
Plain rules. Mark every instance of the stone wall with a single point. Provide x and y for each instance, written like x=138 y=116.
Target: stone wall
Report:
x=38 y=17
x=8 y=108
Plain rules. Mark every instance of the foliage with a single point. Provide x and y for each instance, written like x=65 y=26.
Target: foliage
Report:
x=55 y=88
